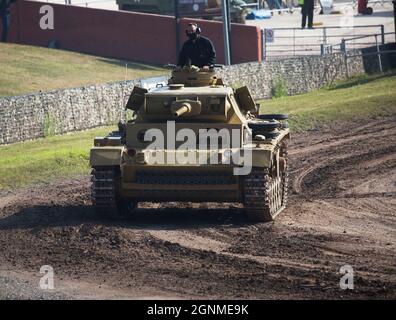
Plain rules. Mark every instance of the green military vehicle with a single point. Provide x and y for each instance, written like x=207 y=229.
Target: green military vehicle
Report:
x=205 y=9
x=193 y=139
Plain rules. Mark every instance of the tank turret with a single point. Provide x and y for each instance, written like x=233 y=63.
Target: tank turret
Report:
x=192 y=76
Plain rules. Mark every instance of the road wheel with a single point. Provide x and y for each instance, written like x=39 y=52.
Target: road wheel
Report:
x=277 y=116
x=268 y=129
x=261 y=126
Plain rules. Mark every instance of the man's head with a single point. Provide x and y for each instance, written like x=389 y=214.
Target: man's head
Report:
x=193 y=31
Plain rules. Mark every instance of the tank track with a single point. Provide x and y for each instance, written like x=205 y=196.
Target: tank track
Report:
x=285 y=174
x=104 y=190
x=265 y=196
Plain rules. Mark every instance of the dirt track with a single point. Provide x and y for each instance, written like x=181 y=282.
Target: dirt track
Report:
x=342 y=210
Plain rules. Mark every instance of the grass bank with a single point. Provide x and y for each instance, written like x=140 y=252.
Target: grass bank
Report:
x=27 y=69
x=47 y=159
x=360 y=97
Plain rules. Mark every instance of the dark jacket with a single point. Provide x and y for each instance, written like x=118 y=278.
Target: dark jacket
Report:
x=201 y=52
x=5 y=6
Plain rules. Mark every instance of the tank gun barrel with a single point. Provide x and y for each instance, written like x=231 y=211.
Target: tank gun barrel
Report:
x=182 y=109
x=185 y=107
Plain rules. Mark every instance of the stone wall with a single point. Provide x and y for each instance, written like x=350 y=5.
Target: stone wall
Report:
x=300 y=75
x=46 y=113
x=54 y=112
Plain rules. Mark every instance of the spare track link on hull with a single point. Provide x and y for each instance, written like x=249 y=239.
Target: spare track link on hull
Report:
x=265 y=196
x=103 y=189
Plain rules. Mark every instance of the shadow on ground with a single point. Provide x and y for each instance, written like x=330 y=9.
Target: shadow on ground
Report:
x=141 y=218
x=361 y=80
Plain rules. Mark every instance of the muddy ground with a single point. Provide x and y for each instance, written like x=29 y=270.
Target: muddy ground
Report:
x=342 y=211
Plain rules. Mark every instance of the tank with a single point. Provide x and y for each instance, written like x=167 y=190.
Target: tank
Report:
x=205 y=9
x=194 y=139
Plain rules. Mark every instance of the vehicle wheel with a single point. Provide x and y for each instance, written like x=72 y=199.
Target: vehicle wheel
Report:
x=285 y=125
x=266 y=190
x=278 y=116
x=260 y=126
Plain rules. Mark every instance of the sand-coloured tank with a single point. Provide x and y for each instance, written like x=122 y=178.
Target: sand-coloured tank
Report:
x=197 y=140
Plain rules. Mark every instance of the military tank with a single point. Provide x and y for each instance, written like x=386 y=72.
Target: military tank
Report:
x=193 y=139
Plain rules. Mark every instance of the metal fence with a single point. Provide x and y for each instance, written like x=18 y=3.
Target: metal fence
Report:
x=347 y=47
x=288 y=42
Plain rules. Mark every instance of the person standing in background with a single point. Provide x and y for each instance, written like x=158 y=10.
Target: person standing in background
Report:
x=5 y=18
x=307 y=11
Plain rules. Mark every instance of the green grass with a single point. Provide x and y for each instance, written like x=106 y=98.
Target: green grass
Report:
x=48 y=159
x=360 y=97
x=27 y=69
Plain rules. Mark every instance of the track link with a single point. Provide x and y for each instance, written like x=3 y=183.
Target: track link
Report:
x=266 y=195
x=285 y=174
x=104 y=190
